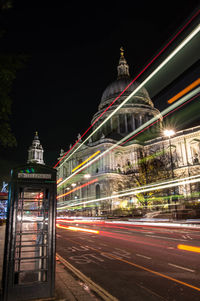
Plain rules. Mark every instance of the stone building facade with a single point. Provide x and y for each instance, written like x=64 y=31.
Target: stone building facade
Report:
x=115 y=171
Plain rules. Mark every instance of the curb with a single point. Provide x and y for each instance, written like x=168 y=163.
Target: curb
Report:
x=93 y=286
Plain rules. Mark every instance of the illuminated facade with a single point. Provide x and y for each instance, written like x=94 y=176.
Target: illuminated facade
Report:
x=115 y=171
x=35 y=151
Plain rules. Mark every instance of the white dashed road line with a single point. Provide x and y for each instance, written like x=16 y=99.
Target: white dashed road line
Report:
x=140 y=255
x=165 y=237
x=183 y=268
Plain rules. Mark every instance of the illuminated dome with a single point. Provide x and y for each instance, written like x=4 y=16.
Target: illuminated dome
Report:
x=132 y=114
x=114 y=89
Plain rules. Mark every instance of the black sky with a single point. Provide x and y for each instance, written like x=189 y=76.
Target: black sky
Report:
x=73 y=51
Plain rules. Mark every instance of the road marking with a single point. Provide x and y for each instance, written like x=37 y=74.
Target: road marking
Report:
x=146 y=269
x=187 y=236
x=170 y=248
x=95 y=287
x=183 y=268
x=165 y=237
x=140 y=255
x=157 y=273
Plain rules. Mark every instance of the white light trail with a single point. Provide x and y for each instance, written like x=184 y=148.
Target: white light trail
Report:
x=174 y=52
x=141 y=187
x=142 y=127
x=183 y=181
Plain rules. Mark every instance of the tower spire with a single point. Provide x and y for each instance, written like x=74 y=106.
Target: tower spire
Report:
x=123 y=67
x=35 y=151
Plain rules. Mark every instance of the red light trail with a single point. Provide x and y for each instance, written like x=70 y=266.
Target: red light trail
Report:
x=158 y=54
x=77 y=188
x=159 y=119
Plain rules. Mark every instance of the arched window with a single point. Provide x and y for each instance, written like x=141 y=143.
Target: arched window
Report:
x=97 y=191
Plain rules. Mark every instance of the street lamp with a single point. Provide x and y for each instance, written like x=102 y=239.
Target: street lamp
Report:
x=87 y=176
x=169 y=133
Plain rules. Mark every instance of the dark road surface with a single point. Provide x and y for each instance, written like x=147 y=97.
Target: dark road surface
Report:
x=134 y=262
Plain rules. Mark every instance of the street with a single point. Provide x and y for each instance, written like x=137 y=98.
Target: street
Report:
x=134 y=262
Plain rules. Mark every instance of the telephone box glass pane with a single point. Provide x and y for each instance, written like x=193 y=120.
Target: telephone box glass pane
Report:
x=31 y=248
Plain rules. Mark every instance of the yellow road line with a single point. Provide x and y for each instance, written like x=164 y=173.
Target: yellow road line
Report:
x=145 y=269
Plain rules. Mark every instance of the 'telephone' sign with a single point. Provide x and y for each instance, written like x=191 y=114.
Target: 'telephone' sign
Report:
x=34 y=176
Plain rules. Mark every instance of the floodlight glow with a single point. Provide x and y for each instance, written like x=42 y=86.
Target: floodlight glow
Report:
x=190 y=96
x=87 y=176
x=174 y=53
x=168 y=133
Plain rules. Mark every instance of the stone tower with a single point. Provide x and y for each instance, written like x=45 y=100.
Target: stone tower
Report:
x=35 y=151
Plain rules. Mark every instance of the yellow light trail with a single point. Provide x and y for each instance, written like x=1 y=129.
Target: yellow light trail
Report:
x=189 y=248
x=92 y=156
x=169 y=57
x=142 y=127
x=77 y=229
x=184 y=91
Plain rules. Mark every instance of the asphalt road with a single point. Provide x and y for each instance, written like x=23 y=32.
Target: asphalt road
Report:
x=134 y=262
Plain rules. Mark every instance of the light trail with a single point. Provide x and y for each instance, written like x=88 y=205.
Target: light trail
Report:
x=161 y=51
x=189 y=248
x=190 y=96
x=156 y=118
x=184 y=91
x=180 y=182
x=77 y=188
x=59 y=180
x=151 y=185
x=92 y=156
x=77 y=229
x=170 y=112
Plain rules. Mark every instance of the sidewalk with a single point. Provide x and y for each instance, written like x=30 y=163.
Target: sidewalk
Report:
x=67 y=288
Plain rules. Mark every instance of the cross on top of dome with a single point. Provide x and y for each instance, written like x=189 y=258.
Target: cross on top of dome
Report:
x=123 y=67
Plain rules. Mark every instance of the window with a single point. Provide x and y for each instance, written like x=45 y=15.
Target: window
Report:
x=97 y=191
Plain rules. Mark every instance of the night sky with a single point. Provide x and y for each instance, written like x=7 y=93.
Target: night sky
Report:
x=73 y=50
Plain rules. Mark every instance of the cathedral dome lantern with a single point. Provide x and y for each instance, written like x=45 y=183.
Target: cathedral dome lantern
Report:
x=35 y=151
x=123 y=67
x=136 y=111
x=120 y=84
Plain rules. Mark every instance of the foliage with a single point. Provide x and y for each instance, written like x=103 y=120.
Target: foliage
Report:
x=9 y=64
x=151 y=169
x=5 y=4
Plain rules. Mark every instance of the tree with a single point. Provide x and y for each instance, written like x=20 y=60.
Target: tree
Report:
x=151 y=169
x=9 y=64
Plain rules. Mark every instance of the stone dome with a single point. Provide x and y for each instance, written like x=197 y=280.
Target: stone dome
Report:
x=118 y=86
x=123 y=80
